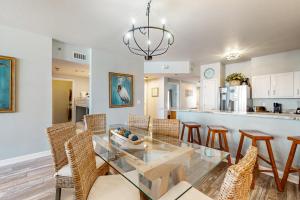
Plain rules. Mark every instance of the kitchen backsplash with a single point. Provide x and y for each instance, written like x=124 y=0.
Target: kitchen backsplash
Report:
x=288 y=105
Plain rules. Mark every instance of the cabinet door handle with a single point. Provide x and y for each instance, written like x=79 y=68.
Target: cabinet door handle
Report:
x=274 y=92
x=298 y=91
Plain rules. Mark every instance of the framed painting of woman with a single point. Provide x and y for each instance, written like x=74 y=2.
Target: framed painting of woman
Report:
x=7 y=84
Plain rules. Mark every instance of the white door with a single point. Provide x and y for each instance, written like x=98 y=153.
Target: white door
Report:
x=282 y=85
x=210 y=94
x=297 y=84
x=261 y=86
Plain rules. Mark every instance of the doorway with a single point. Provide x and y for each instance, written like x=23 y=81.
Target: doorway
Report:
x=62 y=101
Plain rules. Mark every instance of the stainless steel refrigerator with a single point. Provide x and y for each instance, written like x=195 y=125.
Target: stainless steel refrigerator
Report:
x=235 y=99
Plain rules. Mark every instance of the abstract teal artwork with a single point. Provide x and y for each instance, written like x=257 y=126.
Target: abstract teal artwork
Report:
x=7 y=84
x=120 y=90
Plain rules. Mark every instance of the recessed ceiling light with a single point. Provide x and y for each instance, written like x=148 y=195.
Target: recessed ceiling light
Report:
x=233 y=55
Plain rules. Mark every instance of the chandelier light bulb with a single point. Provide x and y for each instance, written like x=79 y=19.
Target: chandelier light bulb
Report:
x=149 y=42
x=168 y=35
x=133 y=21
x=128 y=35
x=163 y=21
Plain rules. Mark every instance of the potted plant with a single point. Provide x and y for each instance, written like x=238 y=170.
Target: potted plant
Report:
x=235 y=79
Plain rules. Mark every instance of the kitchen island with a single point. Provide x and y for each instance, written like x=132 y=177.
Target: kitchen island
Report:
x=280 y=126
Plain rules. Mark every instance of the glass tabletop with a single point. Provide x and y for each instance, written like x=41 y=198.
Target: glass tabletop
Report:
x=158 y=169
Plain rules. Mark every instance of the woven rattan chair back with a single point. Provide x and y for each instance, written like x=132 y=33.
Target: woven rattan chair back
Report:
x=141 y=122
x=166 y=130
x=238 y=179
x=81 y=157
x=96 y=123
x=57 y=136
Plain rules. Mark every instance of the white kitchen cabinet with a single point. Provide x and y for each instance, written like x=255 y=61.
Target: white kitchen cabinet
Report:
x=297 y=84
x=261 y=86
x=282 y=85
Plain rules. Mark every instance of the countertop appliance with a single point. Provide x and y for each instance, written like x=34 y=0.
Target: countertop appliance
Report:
x=277 y=107
x=297 y=111
x=235 y=98
x=259 y=109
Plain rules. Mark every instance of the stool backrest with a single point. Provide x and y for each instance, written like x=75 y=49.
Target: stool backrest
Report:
x=238 y=179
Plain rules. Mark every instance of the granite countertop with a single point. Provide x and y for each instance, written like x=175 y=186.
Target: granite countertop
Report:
x=287 y=116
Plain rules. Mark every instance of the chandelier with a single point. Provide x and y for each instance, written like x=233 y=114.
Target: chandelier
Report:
x=148 y=41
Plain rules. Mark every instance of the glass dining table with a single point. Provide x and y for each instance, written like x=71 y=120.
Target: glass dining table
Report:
x=158 y=169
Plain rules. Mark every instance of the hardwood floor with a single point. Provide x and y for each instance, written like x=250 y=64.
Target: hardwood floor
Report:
x=33 y=180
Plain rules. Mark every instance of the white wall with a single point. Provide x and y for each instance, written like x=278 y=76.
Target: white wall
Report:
x=156 y=105
x=270 y=64
x=23 y=132
x=187 y=102
x=241 y=67
x=103 y=63
x=64 y=51
x=79 y=84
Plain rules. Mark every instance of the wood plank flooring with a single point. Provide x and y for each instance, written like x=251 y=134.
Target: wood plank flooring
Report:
x=33 y=180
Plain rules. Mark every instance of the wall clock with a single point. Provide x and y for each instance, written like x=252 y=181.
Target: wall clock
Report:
x=209 y=73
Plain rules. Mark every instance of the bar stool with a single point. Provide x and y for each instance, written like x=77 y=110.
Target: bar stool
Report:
x=191 y=126
x=221 y=131
x=256 y=136
x=288 y=167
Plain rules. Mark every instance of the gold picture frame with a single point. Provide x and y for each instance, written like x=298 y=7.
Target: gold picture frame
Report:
x=120 y=90
x=7 y=73
x=155 y=92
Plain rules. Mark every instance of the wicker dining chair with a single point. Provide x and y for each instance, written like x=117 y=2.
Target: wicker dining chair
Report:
x=166 y=130
x=96 y=123
x=141 y=122
x=88 y=184
x=58 y=135
x=237 y=182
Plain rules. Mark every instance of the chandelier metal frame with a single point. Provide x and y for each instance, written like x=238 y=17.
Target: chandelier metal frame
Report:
x=148 y=52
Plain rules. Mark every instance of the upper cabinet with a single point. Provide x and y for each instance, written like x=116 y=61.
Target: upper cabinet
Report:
x=261 y=86
x=282 y=85
x=297 y=84
x=273 y=86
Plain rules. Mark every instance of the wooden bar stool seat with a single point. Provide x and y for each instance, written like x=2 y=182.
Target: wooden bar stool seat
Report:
x=288 y=167
x=221 y=131
x=256 y=136
x=191 y=126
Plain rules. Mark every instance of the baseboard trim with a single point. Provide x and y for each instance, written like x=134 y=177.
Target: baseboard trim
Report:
x=23 y=158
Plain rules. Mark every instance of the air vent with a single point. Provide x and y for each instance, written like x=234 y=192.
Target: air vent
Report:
x=79 y=56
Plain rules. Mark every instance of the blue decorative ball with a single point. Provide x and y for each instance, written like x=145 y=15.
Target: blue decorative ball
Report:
x=134 y=138
x=127 y=133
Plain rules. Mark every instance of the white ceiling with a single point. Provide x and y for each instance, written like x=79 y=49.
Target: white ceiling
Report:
x=62 y=67
x=203 y=29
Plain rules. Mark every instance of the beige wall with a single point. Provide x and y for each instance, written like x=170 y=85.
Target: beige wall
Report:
x=60 y=100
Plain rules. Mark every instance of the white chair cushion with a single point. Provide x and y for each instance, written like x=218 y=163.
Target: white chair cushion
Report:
x=194 y=194
x=113 y=187
x=66 y=170
x=176 y=191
